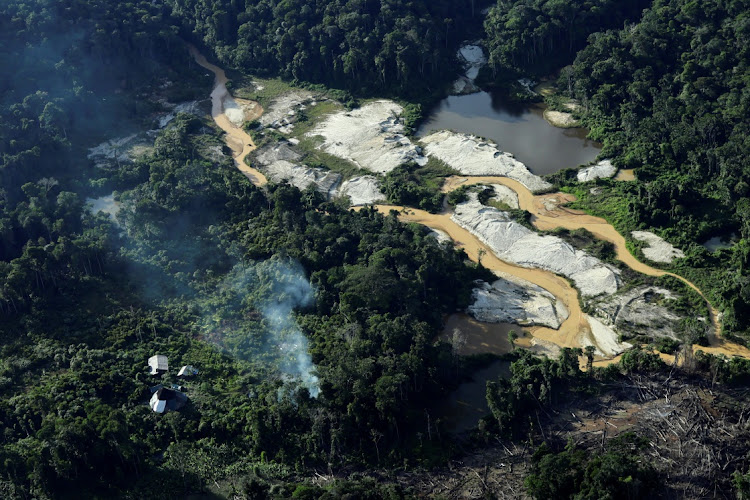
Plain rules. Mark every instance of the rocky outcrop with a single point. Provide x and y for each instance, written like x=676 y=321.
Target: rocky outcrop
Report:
x=513 y=300
x=471 y=155
x=372 y=137
x=657 y=250
x=519 y=245
x=602 y=170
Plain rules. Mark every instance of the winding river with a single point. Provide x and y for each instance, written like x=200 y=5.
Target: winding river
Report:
x=547 y=212
x=237 y=139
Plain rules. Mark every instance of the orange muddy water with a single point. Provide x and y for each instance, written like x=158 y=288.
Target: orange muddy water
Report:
x=547 y=212
x=237 y=139
x=570 y=331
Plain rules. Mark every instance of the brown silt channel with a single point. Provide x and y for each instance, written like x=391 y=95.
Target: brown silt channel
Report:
x=547 y=212
x=237 y=139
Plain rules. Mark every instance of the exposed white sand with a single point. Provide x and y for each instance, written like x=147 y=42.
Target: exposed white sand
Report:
x=192 y=107
x=280 y=162
x=474 y=57
x=604 y=339
x=471 y=155
x=122 y=149
x=441 y=236
x=362 y=190
x=658 y=249
x=528 y=84
x=640 y=309
x=560 y=119
x=505 y=195
x=282 y=112
x=520 y=245
x=602 y=170
x=513 y=300
x=105 y=204
x=371 y=137
x=302 y=176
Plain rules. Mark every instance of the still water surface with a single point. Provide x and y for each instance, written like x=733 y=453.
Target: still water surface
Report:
x=516 y=128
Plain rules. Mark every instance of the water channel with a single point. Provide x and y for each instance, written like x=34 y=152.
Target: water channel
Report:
x=517 y=128
x=524 y=132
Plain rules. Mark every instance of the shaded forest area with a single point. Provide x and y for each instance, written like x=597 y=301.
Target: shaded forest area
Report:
x=197 y=254
x=396 y=47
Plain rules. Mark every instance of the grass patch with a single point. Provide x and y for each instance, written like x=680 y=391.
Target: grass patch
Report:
x=243 y=88
x=314 y=157
x=308 y=118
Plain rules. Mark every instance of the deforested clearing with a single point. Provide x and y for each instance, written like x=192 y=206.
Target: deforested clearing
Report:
x=658 y=249
x=519 y=245
x=372 y=137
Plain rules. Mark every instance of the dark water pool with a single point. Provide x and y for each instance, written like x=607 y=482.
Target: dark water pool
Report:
x=518 y=129
x=462 y=409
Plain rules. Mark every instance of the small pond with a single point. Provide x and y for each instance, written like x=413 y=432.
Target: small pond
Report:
x=719 y=242
x=461 y=410
x=517 y=128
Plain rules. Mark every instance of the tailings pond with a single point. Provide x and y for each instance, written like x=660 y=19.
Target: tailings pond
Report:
x=517 y=128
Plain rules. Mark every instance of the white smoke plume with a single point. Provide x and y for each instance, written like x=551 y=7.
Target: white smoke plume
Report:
x=274 y=288
x=289 y=290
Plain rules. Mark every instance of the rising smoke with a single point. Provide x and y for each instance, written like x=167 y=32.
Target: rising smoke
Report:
x=289 y=290
x=275 y=288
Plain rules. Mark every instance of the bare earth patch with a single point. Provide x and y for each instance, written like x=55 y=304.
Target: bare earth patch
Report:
x=658 y=249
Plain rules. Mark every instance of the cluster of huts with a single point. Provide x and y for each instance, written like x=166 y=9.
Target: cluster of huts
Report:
x=163 y=398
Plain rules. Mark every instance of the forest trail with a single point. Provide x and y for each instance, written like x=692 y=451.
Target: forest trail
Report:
x=237 y=139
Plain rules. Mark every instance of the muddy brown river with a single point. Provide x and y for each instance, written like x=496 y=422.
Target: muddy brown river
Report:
x=237 y=139
x=548 y=212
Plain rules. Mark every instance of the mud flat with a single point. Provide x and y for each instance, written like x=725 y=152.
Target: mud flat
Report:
x=471 y=155
x=626 y=175
x=372 y=137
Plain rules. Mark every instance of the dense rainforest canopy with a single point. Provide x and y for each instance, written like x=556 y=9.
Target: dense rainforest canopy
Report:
x=198 y=256
x=394 y=46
